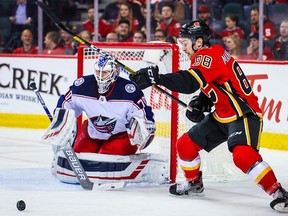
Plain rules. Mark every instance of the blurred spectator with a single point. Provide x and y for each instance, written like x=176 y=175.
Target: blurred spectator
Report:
x=160 y=35
x=233 y=45
x=125 y=12
x=253 y=49
x=169 y=24
x=28 y=47
x=154 y=23
x=52 y=44
x=22 y=15
x=123 y=31
x=64 y=9
x=67 y=42
x=139 y=36
x=111 y=10
x=232 y=28
x=104 y=26
x=281 y=42
x=112 y=37
x=179 y=9
x=86 y=35
x=269 y=29
x=205 y=15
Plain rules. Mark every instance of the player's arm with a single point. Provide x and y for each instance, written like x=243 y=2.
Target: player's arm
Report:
x=65 y=101
x=181 y=81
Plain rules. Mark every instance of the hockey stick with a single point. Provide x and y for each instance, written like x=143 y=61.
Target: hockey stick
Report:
x=59 y=24
x=68 y=151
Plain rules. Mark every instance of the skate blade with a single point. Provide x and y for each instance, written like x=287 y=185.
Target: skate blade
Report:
x=110 y=186
x=189 y=195
x=281 y=207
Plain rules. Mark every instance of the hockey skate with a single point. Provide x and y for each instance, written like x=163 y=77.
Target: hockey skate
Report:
x=280 y=202
x=188 y=188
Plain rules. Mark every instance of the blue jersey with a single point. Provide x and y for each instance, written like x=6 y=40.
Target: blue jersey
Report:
x=107 y=114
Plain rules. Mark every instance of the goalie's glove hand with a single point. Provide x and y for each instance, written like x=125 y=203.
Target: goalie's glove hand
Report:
x=146 y=77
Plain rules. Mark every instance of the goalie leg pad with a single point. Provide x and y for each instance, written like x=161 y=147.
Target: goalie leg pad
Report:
x=103 y=169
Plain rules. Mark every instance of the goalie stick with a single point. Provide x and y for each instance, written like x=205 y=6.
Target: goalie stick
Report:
x=59 y=24
x=68 y=151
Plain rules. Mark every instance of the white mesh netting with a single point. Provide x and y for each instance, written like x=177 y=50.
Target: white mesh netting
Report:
x=218 y=164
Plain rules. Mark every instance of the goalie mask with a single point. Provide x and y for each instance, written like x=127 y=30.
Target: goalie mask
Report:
x=106 y=73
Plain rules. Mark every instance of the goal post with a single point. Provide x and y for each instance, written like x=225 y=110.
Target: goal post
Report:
x=170 y=118
x=136 y=56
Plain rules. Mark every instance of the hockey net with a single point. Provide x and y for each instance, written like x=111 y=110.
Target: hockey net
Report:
x=169 y=116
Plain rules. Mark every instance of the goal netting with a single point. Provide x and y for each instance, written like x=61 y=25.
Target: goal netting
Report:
x=169 y=116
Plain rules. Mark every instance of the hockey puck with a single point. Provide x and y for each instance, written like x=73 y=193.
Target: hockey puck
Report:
x=21 y=205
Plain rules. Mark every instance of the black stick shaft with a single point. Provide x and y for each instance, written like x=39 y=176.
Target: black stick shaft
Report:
x=42 y=102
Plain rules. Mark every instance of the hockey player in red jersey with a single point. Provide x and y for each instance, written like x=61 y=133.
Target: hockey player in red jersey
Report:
x=236 y=118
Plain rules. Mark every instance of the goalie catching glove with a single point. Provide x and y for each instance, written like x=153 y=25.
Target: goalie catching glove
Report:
x=146 y=77
x=140 y=132
x=62 y=130
x=199 y=104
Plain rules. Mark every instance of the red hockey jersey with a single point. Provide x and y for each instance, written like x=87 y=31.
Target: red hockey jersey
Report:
x=221 y=78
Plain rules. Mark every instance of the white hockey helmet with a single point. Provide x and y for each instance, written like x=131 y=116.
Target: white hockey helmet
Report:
x=106 y=73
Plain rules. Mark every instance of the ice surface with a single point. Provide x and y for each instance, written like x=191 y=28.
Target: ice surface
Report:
x=25 y=174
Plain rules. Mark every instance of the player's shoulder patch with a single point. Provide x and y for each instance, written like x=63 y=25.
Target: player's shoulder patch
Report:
x=130 y=88
x=79 y=81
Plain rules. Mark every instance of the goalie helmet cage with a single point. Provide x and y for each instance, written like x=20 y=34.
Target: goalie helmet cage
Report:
x=169 y=116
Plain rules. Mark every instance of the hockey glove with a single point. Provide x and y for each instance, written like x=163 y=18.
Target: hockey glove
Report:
x=146 y=77
x=195 y=115
x=199 y=104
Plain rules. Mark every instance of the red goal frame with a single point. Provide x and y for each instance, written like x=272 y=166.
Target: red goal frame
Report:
x=175 y=67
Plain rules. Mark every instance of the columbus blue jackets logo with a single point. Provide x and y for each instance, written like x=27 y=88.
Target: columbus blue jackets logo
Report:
x=130 y=88
x=103 y=124
x=79 y=81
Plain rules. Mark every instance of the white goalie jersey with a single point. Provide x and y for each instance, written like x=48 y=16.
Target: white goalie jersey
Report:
x=110 y=114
